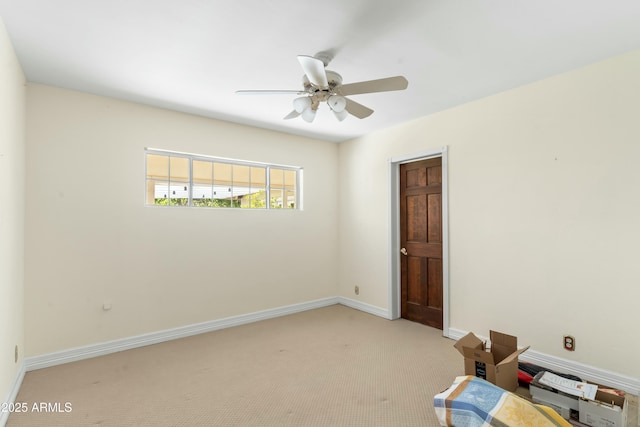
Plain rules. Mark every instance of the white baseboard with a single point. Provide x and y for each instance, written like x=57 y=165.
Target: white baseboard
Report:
x=13 y=393
x=101 y=349
x=362 y=306
x=589 y=373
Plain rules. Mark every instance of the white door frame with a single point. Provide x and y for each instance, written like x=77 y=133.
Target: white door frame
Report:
x=394 y=232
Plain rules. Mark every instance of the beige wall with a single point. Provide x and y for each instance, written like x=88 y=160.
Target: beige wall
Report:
x=91 y=240
x=543 y=217
x=12 y=176
x=544 y=212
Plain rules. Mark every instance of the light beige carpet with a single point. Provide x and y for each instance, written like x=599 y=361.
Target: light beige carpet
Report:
x=333 y=366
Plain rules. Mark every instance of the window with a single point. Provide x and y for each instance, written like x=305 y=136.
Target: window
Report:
x=178 y=179
x=282 y=185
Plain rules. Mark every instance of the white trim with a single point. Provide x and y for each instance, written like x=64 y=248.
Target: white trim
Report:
x=626 y=383
x=427 y=154
x=13 y=393
x=367 y=308
x=445 y=241
x=206 y=157
x=101 y=349
x=394 y=231
x=394 y=242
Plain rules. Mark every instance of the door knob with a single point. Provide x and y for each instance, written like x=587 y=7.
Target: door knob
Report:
x=403 y=251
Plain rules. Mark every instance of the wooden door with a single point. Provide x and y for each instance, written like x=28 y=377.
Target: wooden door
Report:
x=421 y=241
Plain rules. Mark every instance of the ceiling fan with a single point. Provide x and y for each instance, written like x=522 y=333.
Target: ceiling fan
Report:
x=322 y=85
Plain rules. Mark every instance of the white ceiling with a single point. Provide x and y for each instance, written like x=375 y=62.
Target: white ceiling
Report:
x=192 y=55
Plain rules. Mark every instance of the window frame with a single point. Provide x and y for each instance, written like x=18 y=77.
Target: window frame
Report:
x=232 y=162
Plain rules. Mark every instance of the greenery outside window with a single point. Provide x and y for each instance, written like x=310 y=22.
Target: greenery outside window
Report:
x=179 y=179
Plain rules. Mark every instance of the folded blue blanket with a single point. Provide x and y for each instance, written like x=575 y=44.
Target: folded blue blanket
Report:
x=474 y=402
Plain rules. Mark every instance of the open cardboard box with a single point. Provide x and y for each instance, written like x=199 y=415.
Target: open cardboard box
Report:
x=499 y=365
x=606 y=410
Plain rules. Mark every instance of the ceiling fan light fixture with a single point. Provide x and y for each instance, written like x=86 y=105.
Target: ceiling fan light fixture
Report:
x=337 y=103
x=308 y=115
x=301 y=104
x=340 y=115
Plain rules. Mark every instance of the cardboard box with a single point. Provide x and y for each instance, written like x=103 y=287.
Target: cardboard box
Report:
x=607 y=410
x=499 y=365
x=541 y=391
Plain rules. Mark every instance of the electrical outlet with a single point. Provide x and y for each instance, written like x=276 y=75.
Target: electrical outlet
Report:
x=569 y=343
x=357 y=290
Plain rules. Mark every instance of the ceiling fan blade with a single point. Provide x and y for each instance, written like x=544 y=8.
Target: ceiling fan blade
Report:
x=292 y=115
x=372 y=86
x=358 y=110
x=270 y=92
x=314 y=70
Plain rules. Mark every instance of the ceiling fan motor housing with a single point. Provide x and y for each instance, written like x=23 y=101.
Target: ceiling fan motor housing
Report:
x=334 y=79
x=319 y=95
